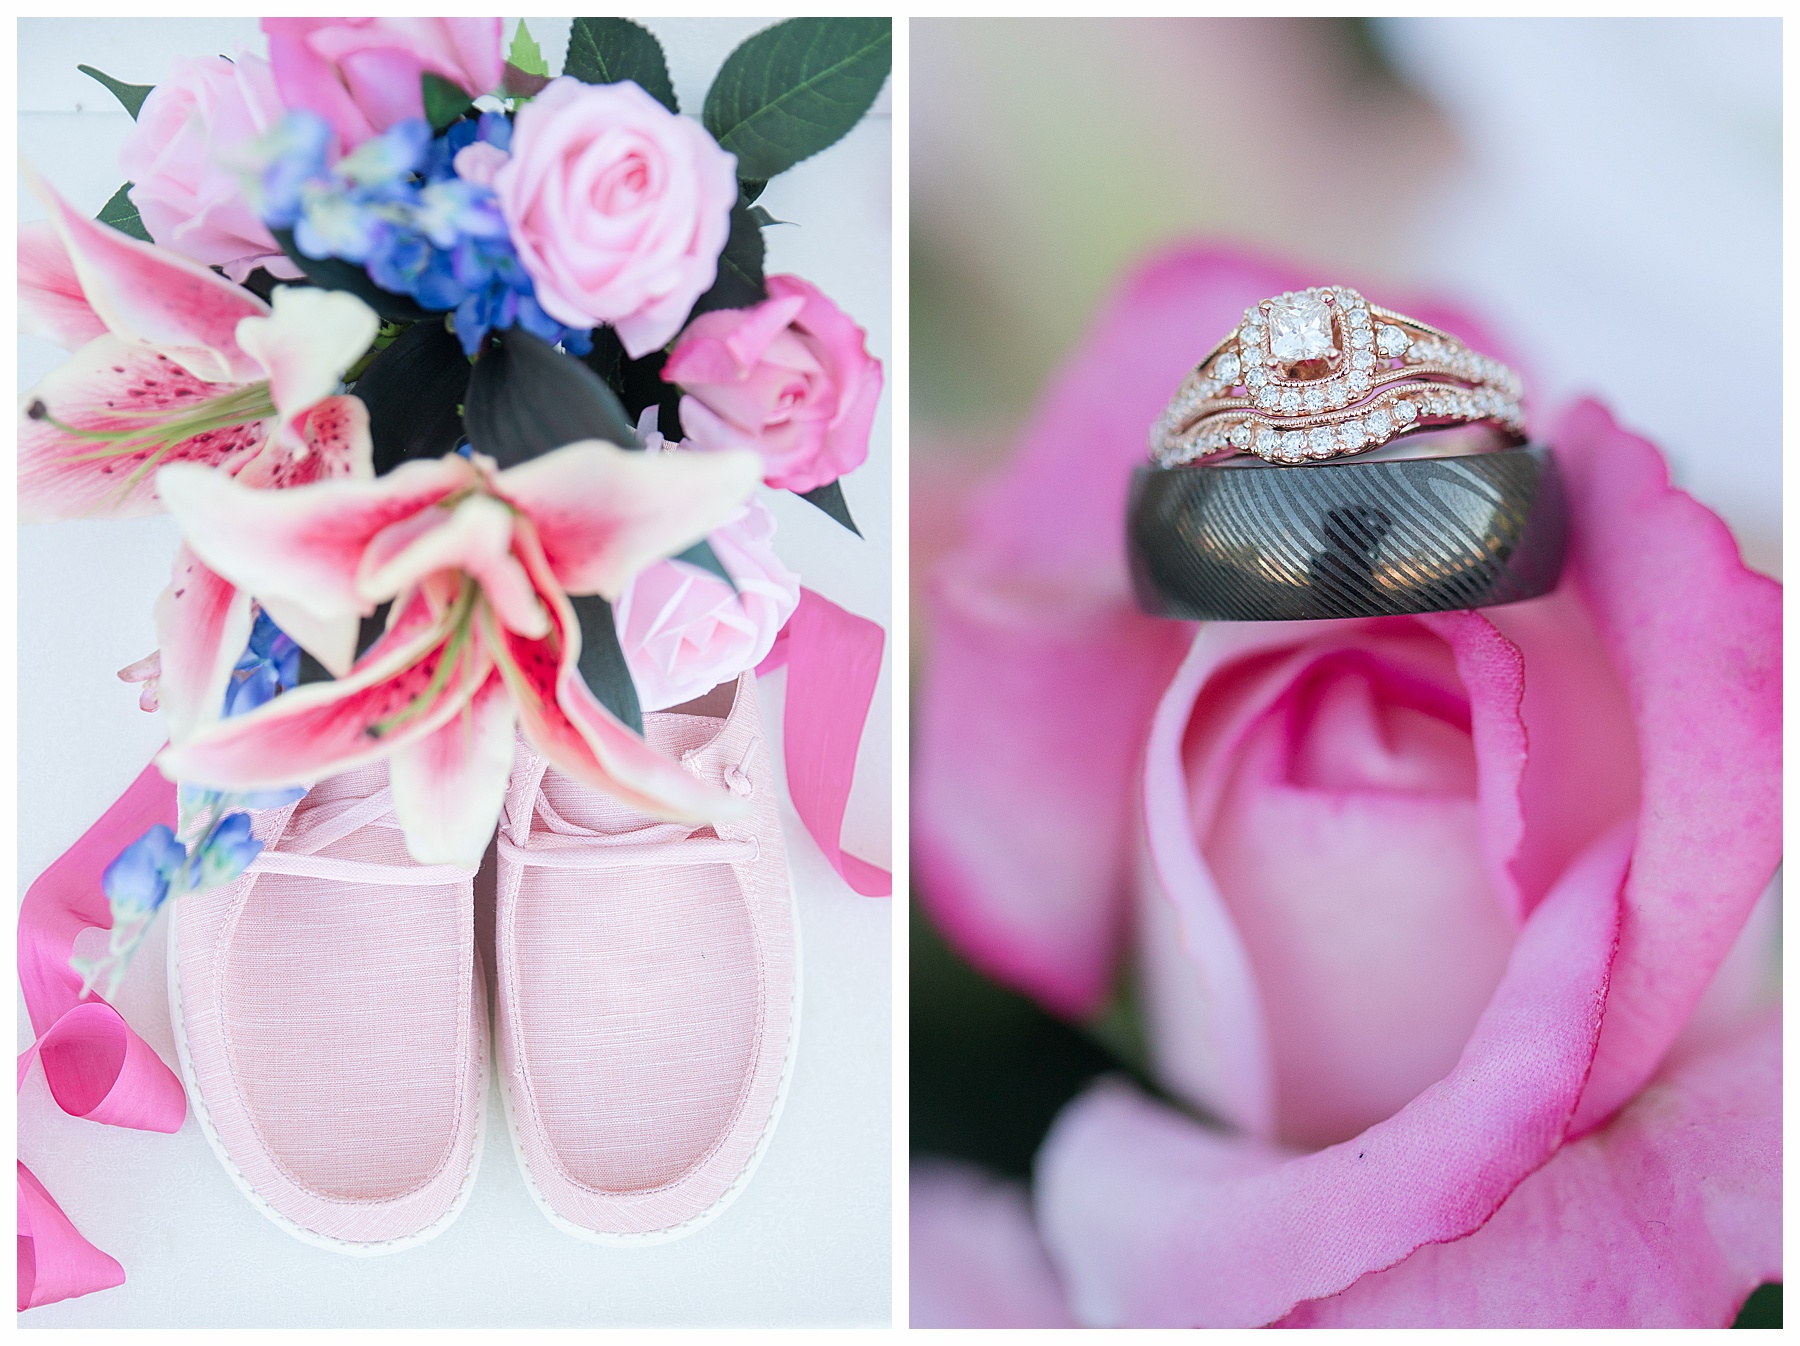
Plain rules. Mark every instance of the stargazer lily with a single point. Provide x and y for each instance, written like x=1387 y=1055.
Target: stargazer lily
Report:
x=173 y=363
x=479 y=565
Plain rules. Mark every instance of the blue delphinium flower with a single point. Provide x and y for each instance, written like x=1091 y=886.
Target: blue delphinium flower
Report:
x=138 y=878
x=397 y=207
x=270 y=664
x=225 y=852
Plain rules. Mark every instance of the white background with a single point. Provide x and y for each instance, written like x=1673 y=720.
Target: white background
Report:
x=809 y=1240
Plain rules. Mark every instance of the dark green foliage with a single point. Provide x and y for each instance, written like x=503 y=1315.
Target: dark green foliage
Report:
x=605 y=51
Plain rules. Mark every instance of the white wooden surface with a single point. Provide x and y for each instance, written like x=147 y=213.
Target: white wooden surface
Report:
x=808 y=1243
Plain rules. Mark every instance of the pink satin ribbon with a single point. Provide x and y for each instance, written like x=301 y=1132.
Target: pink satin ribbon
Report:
x=833 y=658
x=96 y=1066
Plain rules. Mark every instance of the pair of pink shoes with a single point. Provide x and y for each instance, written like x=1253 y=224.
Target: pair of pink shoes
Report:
x=332 y=1015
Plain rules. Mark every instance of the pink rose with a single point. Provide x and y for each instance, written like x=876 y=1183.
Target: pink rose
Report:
x=363 y=75
x=683 y=630
x=618 y=207
x=179 y=157
x=790 y=378
x=1422 y=910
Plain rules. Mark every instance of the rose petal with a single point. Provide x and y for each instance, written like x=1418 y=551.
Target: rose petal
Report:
x=1697 y=640
x=975 y=1257
x=1154 y=1220
x=1669 y=1217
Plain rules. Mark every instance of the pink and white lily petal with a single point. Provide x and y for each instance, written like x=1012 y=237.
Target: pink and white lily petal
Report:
x=403 y=692
x=333 y=442
x=299 y=550
x=579 y=736
x=1669 y=1217
x=147 y=674
x=305 y=345
x=202 y=626
x=475 y=536
x=51 y=302
x=449 y=785
x=604 y=513
x=150 y=296
x=115 y=389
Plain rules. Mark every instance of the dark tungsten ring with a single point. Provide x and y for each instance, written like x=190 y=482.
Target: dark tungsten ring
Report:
x=1258 y=543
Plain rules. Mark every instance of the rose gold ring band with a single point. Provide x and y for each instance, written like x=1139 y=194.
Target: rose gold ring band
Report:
x=1321 y=373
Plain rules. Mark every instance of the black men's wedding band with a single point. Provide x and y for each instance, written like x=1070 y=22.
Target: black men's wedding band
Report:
x=1255 y=542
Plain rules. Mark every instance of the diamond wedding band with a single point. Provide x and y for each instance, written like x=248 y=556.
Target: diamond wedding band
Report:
x=1322 y=373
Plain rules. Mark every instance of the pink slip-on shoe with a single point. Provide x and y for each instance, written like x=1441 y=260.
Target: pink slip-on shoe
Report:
x=331 y=1020
x=648 y=987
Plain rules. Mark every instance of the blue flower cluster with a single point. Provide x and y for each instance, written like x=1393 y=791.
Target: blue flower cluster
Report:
x=147 y=871
x=396 y=207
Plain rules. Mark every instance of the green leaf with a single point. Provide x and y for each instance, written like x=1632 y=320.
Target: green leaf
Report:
x=526 y=55
x=527 y=398
x=413 y=390
x=830 y=498
x=794 y=89
x=751 y=188
x=602 y=662
x=605 y=51
x=132 y=96
x=764 y=219
x=701 y=554
x=333 y=273
x=444 y=101
x=740 y=282
x=123 y=216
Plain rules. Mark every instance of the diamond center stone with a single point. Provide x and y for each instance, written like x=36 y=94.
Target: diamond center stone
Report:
x=1299 y=329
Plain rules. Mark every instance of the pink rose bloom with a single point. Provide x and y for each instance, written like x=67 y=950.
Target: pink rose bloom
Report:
x=619 y=208
x=363 y=75
x=683 y=630
x=178 y=157
x=1432 y=914
x=791 y=378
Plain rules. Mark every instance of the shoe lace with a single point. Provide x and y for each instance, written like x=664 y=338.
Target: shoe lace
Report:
x=568 y=845
x=322 y=826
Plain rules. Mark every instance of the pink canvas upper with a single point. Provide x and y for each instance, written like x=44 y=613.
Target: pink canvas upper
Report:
x=646 y=979
x=336 y=1020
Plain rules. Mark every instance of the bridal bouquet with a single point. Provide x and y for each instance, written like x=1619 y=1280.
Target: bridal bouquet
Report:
x=459 y=379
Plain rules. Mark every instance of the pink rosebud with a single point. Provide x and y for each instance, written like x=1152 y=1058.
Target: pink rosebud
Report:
x=479 y=162
x=684 y=631
x=618 y=207
x=790 y=378
x=179 y=153
x=363 y=75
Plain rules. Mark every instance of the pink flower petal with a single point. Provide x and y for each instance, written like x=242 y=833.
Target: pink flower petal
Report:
x=202 y=626
x=396 y=695
x=449 y=785
x=334 y=438
x=299 y=550
x=975 y=1257
x=1030 y=726
x=603 y=513
x=111 y=388
x=1697 y=640
x=475 y=537
x=153 y=297
x=1153 y=1219
x=305 y=345
x=580 y=737
x=51 y=302
x=1669 y=1217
